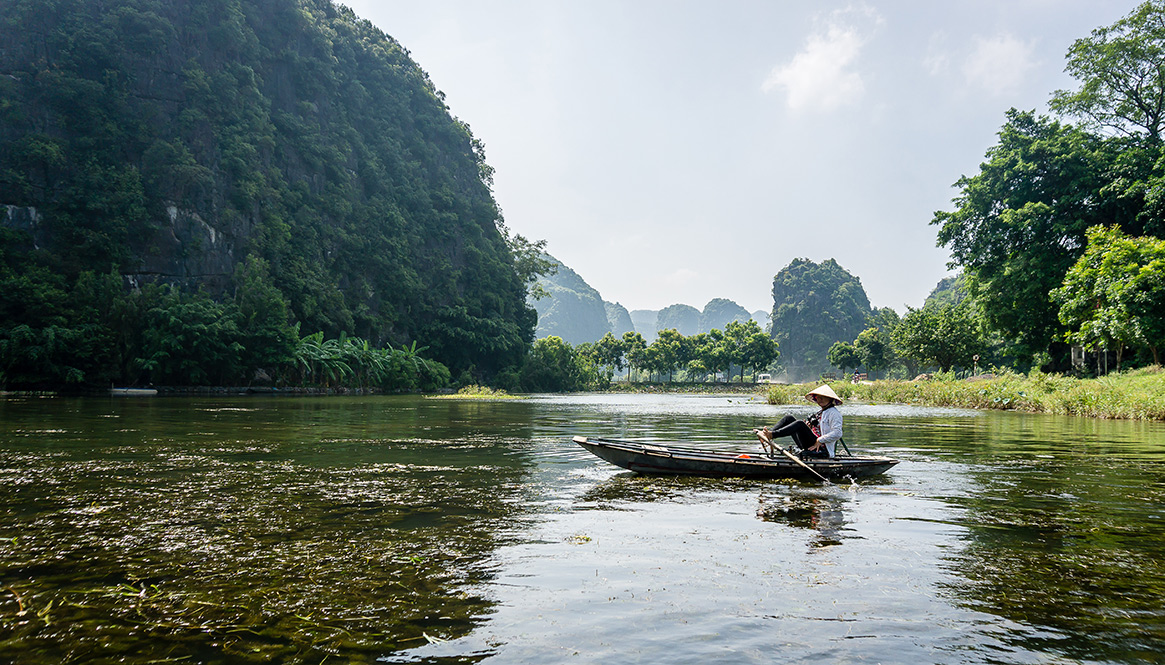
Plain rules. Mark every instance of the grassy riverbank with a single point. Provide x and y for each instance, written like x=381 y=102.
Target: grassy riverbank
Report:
x=1135 y=395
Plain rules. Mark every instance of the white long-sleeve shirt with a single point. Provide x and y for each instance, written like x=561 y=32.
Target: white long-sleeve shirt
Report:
x=830 y=428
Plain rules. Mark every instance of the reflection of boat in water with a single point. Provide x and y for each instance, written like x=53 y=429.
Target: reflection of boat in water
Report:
x=672 y=459
x=823 y=515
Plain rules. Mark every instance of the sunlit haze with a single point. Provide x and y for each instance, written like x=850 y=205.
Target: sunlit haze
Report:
x=675 y=152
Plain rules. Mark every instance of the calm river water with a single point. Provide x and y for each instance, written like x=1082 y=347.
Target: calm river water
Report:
x=413 y=530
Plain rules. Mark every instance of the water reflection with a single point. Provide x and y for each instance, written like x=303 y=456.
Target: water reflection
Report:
x=823 y=514
x=411 y=530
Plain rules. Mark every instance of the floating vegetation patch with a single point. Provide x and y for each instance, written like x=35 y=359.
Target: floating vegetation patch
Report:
x=206 y=559
x=478 y=392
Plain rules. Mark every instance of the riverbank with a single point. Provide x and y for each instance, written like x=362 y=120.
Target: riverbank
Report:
x=1134 y=395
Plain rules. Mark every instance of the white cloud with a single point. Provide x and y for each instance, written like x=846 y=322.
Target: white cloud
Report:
x=999 y=64
x=822 y=75
x=937 y=61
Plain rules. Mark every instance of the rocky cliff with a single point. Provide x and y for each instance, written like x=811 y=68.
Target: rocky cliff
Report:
x=169 y=141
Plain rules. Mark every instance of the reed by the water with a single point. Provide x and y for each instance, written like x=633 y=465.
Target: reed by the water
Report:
x=1135 y=395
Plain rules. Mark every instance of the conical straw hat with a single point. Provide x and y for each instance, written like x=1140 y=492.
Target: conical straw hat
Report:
x=825 y=391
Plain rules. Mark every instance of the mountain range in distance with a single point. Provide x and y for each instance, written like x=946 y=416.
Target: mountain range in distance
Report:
x=576 y=312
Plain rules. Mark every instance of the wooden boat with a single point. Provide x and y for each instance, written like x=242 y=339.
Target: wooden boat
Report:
x=669 y=459
x=133 y=392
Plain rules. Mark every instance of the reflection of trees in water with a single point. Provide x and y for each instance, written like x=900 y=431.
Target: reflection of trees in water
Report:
x=1076 y=549
x=821 y=513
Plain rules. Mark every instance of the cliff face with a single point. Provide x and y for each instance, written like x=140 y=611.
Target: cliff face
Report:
x=572 y=310
x=168 y=141
x=619 y=319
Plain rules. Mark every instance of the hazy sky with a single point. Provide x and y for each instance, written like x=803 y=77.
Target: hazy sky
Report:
x=675 y=152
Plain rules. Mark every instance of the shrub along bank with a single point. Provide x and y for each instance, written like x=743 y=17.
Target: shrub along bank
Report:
x=1134 y=395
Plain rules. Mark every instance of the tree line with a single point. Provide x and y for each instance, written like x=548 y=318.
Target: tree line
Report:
x=741 y=348
x=942 y=335
x=99 y=334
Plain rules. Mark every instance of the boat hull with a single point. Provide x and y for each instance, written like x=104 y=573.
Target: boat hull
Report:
x=669 y=459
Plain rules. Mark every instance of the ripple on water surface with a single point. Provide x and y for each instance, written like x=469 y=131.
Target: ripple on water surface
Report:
x=405 y=530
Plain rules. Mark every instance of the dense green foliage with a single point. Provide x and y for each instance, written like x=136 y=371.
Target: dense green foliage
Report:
x=939 y=335
x=173 y=142
x=703 y=356
x=1020 y=224
x=1114 y=296
x=556 y=366
x=815 y=306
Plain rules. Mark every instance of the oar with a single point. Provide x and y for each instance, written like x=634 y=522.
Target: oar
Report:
x=798 y=460
x=773 y=444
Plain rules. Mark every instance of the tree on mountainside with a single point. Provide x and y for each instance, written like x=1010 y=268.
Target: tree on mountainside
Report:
x=949 y=291
x=684 y=319
x=719 y=312
x=166 y=142
x=815 y=306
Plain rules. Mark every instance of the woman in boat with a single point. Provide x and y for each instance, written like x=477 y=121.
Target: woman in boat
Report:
x=817 y=435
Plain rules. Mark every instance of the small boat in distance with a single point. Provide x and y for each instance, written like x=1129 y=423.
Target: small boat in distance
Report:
x=670 y=459
x=133 y=392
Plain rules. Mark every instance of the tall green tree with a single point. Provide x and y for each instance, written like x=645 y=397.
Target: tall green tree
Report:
x=610 y=352
x=1114 y=295
x=873 y=347
x=844 y=356
x=670 y=351
x=939 y=335
x=1122 y=82
x=1019 y=224
x=634 y=347
x=709 y=353
x=760 y=350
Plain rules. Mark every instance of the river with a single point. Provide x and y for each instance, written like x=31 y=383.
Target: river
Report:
x=402 y=529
